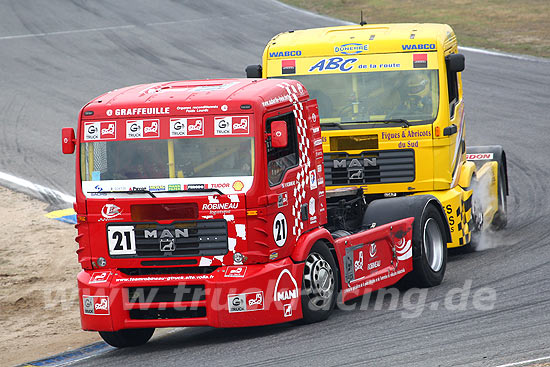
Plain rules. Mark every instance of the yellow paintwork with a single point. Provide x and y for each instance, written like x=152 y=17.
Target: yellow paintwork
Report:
x=440 y=166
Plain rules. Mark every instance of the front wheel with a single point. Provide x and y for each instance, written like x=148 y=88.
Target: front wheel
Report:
x=429 y=267
x=319 y=284
x=127 y=337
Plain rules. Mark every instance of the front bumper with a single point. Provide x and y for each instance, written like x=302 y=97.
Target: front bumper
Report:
x=230 y=296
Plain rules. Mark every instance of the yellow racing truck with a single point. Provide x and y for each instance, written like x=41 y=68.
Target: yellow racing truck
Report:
x=392 y=117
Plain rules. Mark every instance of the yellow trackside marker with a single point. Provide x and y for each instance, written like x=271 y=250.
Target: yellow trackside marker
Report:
x=64 y=215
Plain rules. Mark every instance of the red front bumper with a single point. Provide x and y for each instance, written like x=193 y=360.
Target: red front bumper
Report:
x=231 y=296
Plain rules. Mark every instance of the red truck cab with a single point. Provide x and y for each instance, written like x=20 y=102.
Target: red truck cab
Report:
x=203 y=203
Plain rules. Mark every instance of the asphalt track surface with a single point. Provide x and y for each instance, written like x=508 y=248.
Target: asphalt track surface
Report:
x=56 y=57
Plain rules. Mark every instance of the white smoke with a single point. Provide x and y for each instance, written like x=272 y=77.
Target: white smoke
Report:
x=486 y=238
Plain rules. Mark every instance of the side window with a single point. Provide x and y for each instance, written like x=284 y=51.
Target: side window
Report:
x=280 y=160
x=453 y=91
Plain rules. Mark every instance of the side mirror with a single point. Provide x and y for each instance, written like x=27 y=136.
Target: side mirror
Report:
x=254 y=71
x=279 y=134
x=68 y=141
x=455 y=62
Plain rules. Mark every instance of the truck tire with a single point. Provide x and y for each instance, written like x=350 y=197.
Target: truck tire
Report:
x=501 y=219
x=319 y=284
x=429 y=267
x=127 y=337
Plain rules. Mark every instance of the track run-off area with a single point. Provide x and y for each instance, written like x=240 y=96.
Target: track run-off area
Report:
x=493 y=306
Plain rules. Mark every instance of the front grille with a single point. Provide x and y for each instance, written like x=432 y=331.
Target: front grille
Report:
x=168 y=313
x=179 y=293
x=179 y=239
x=169 y=271
x=369 y=167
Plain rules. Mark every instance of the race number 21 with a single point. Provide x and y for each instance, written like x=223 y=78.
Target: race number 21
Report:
x=280 y=229
x=122 y=240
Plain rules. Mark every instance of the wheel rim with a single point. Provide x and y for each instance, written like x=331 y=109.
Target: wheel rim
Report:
x=433 y=244
x=319 y=282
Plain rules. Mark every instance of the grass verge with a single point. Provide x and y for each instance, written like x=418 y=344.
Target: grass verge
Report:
x=505 y=25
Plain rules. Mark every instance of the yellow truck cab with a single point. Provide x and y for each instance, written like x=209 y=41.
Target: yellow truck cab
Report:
x=392 y=117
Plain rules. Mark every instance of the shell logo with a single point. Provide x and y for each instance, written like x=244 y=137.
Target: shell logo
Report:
x=238 y=185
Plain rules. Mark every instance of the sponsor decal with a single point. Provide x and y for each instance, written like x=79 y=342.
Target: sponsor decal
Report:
x=406 y=135
x=104 y=130
x=334 y=63
x=479 y=156
x=375 y=280
x=287 y=310
x=174 y=187
x=288 y=184
x=423 y=46
x=282 y=200
x=372 y=250
x=139 y=111
x=224 y=185
x=403 y=249
x=235 y=272
x=220 y=206
x=100 y=277
x=288 y=67
x=358 y=264
x=312 y=206
x=192 y=187
x=245 y=302
x=276 y=100
x=186 y=127
x=351 y=48
x=110 y=211
x=137 y=129
x=238 y=185
x=157 y=188
x=373 y=265
x=286 y=287
x=231 y=125
x=312 y=179
x=164 y=278
x=280 y=229
x=95 y=305
x=273 y=255
x=420 y=60
x=292 y=53
x=408 y=144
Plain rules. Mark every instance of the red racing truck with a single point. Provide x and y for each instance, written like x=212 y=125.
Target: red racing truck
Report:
x=203 y=203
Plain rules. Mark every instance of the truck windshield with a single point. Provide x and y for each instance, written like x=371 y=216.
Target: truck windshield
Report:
x=167 y=158
x=412 y=95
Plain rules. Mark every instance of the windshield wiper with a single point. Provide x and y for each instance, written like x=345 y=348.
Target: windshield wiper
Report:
x=387 y=121
x=337 y=124
x=124 y=192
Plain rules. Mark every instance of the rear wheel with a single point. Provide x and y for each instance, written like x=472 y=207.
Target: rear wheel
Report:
x=429 y=267
x=127 y=337
x=319 y=284
x=501 y=219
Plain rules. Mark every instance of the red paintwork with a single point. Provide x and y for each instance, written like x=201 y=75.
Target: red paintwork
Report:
x=267 y=268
